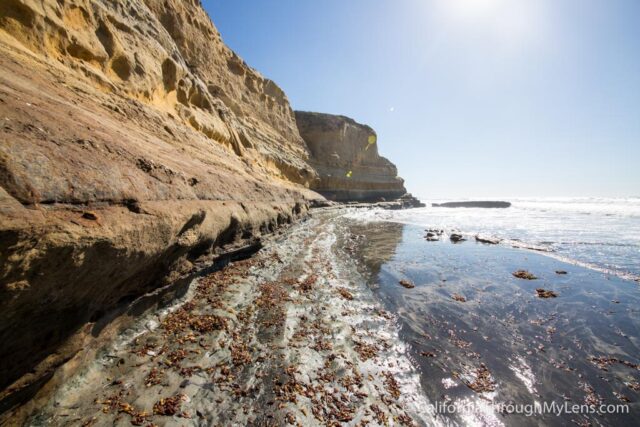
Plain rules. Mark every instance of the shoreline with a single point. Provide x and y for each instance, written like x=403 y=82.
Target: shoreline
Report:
x=288 y=328
x=314 y=329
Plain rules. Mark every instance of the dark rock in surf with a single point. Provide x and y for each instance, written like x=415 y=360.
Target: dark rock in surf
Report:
x=472 y=204
x=408 y=200
x=487 y=239
x=321 y=203
x=456 y=238
x=407 y=284
x=524 y=274
x=543 y=293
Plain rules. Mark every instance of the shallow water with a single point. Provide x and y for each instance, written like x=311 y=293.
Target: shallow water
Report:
x=599 y=233
x=535 y=350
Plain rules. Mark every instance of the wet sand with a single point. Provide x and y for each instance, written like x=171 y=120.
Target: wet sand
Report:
x=315 y=329
x=290 y=336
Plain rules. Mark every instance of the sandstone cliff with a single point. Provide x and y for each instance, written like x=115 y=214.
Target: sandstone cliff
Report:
x=133 y=144
x=135 y=150
x=345 y=155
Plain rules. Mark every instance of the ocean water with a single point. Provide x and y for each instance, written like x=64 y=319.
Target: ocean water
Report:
x=482 y=340
x=598 y=233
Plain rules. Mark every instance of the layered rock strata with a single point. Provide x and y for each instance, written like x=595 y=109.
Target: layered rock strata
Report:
x=345 y=155
x=136 y=149
x=133 y=144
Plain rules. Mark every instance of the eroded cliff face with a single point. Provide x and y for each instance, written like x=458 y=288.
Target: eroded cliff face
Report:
x=168 y=55
x=133 y=145
x=345 y=155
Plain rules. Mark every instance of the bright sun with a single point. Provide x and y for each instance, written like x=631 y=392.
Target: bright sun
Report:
x=507 y=21
x=474 y=9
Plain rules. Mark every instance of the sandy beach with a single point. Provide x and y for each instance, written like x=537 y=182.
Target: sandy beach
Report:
x=285 y=337
x=316 y=329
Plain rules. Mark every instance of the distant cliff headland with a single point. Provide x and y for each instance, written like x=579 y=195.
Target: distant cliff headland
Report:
x=136 y=147
x=345 y=156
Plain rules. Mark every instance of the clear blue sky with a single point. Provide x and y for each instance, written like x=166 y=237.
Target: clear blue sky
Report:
x=469 y=97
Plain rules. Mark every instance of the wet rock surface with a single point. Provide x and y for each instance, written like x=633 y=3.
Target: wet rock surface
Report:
x=406 y=284
x=433 y=234
x=457 y=237
x=524 y=274
x=545 y=293
x=487 y=239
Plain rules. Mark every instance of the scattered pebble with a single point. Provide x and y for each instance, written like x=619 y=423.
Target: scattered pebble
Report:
x=345 y=294
x=459 y=298
x=543 y=293
x=407 y=284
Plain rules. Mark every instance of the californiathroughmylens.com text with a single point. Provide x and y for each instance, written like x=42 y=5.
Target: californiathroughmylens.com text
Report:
x=526 y=409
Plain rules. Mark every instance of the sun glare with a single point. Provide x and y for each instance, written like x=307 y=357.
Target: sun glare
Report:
x=474 y=9
x=506 y=21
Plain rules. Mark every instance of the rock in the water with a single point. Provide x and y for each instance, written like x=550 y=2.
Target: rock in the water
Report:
x=543 y=293
x=408 y=200
x=321 y=203
x=407 y=284
x=473 y=204
x=344 y=293
x=456 y=237
x=432 y=237
x=524 y=274
x=487 y=239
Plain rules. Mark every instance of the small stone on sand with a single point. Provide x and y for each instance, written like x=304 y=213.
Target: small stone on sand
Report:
x=543 y=293
x=407 y=284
